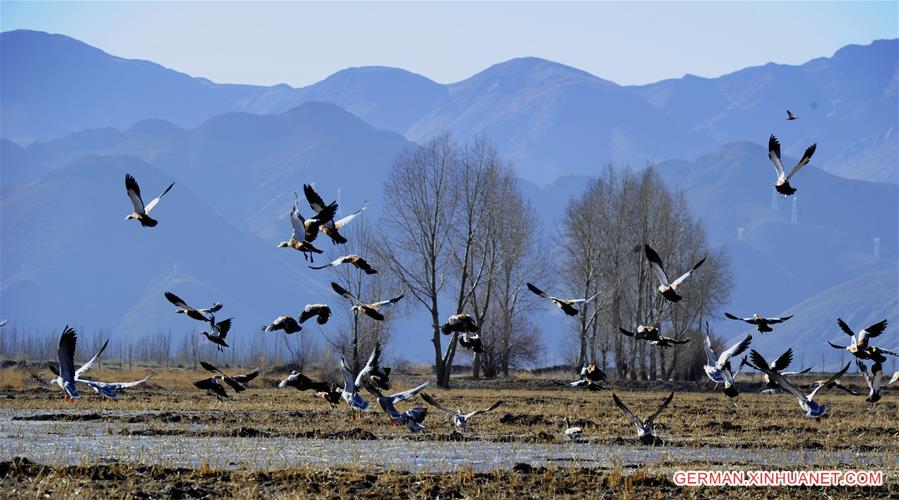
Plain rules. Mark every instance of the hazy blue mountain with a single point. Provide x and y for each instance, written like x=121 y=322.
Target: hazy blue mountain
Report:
x=846 y=103
x=69 y=257
x=54 y=84
x=246 y=166
x=550 y=119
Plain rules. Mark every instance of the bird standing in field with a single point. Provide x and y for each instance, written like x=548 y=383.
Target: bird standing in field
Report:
x=371 y=310
x=321 y=312
x=141 y=212
x=572 y=433
x=718 y=368
x=668 y=290
x=650 y=334
x=460 y=420
x=806 y=401
x=183 y=308
x=783 y=180
x=761 y=323
x=566 y=305
x=355 y=260
x=645 y=428
x=218 y=332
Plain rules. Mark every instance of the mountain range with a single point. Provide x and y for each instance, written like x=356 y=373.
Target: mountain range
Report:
x=73 y=125
x=550 y=119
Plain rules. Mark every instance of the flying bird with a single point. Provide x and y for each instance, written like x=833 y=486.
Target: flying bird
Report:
x=323 y=213
x=645 y=428
x=894 y=378
x=377 y=375
x=351 y=387
x=460 y=420
x=372 y=310
x=298 y=238
x=68 y=375
x=471 y=342
x=218 y=332
x=833 y=384
x=285 y=323
x=783 y=181
x=111 y=389
x=761 y=323
x=413 y=418
x=566 y=305
x=301 y=382
x=779 y=365
x=183 y=308
x=718 y=368
x=141 y=212
x=458 y=323
x=355 y=260
x=873 y=378
x=332 y=228
x=213 y=386
x=806 y=401
x=651 y=334
x=860 y=346
x=668 y=290
x=321 y=311
x=591 y=378
x=791 y=116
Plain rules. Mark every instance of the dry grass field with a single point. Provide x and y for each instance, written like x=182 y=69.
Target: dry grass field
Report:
x=168 y=406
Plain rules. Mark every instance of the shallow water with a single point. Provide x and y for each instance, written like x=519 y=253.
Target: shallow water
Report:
x=79 y=442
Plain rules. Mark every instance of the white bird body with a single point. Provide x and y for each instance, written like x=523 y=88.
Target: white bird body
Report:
x=572 y=433
x=718 y=368
x=460 y=419
x=111 y=389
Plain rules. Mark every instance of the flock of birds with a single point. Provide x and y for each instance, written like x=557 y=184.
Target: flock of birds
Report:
x=375 y=379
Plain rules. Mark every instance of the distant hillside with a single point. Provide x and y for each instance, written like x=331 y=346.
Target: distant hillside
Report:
x=846 y=103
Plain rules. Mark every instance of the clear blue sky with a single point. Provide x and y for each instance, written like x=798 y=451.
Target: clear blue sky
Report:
x=301 y=43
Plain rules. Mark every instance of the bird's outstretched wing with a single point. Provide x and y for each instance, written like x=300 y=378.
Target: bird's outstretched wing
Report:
x=661 y=408
x=87 y=366
x=806 y=157
x=155 y=201
x=133 y=191
x=734 y=350
x=687 y=274
x=627 y=411
x=436 y=404
x=656 y=263
x=774 y=155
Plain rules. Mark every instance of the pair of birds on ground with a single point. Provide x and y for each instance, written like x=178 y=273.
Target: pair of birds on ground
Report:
x=214 y=384
x=218 y=330
x=646 y=430
x=67 y=376
x=305 y=231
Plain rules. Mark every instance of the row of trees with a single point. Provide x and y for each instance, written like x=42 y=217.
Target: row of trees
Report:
x=457 y=235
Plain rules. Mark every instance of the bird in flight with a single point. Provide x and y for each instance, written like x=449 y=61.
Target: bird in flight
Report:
x=566 y=305
x=783 y=180
x=142 y=212
x=355 y=260
x=645 y=428
x=762 y=324
x=372 y=310
x=791 y=116
x=183 y=308
x=666 y=288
